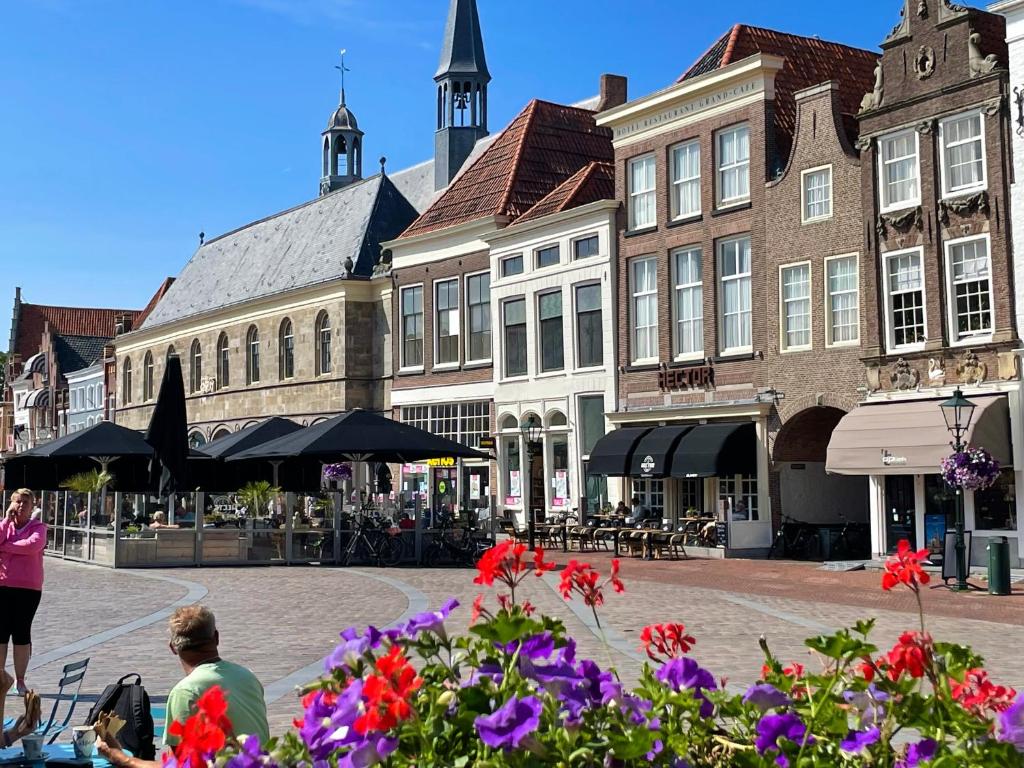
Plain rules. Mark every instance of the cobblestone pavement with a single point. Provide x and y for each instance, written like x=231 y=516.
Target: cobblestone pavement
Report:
x=282 y=621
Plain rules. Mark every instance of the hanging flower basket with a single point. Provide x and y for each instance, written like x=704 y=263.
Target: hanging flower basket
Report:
x=972 y=469
x=338 y=472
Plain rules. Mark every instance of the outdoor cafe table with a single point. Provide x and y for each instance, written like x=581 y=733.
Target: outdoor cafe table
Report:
x=53 y=754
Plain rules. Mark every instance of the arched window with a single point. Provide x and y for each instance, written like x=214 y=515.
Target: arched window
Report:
x=323 y=343
x=509 y=422
x=126 y=381
x=339 y=164
x=557 y=419
x=327 y=157
x=222 y=432
x=196 y=358
x=252 y=355
x=196 y=440
x=147 y=377
x=286 y=347
x=171 y=351
x=223 y=362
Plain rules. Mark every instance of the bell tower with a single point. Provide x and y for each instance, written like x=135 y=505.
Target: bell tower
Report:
x=341 y=145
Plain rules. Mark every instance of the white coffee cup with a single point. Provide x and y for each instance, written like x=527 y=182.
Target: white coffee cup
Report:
x=32 y=745
x=83 y=740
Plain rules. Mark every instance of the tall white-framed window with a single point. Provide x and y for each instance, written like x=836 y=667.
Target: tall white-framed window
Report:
x=322 y=330
x=196 y=355
x=252 y=355
x=962 y=138
x=446 y=321
x=795 y=306
x=816 y=194
x=147 y=377
x=734 y=267
x=286 y=350
x=411 y=301
x=549 y=329
x=842 y=301
x=643 y=285
x=478 y=317
x=904 y=300
x=589 y=326
x=688 y=305
x=898 y=170
x=642 y=198
x=738 y=495
x=686 y=180
x=969 y=287
x=732 y=165
x=514 y=326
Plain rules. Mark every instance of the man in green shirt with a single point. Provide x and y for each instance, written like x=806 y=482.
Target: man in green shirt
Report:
x=194 y=640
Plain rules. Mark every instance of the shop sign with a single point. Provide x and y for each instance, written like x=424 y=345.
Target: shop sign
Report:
x=694 y=377
x=442 y=486
x=561 y=486
x=647 y=465
x=891 y=460
x=446 y=461
x=414 y=469
x=515 y=484
x=474 y=486
x=512 y=501
x=487 y=443
x=689 y=108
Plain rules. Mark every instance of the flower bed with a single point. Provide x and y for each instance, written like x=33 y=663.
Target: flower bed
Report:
x=514 y=692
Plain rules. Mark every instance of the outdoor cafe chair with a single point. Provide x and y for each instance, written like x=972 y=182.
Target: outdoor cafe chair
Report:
x=71 y=678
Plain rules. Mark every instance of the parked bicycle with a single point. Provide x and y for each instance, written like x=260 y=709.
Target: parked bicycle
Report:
x=796 y=540
x=451 y=546
x=372 y=543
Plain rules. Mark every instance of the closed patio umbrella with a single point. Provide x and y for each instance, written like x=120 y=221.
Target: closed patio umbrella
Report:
x=168 y=432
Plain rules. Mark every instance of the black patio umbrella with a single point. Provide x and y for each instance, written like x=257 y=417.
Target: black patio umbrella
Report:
x=168 y=432
x=250 y=437
x=208 y=471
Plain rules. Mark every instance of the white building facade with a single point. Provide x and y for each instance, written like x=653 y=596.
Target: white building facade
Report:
x=86 y=398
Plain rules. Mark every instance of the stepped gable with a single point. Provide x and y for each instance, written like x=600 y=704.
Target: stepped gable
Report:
x=541 y=148
x=595 y=181
x=64 y=321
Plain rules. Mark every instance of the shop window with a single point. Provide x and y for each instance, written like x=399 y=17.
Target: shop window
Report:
x=691 y=496
x=651 y=492
x=596 y=491
x=995 y=508
x=474 y=422
x=417 y=416
x=559 y=478
x=970 y=286
x=549 y=311
x=738 y=495
x=476 y=488
x=513 y=471
x=444 y=420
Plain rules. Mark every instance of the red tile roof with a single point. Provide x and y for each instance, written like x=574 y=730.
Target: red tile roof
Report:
x=809 y=61
x=65 y=321
x=594 y=181
x=167 y=283
x=540 y=149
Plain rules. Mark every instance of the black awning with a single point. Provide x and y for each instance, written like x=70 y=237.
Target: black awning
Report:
x=655 y=451
x=710 y=450
x=613 y=453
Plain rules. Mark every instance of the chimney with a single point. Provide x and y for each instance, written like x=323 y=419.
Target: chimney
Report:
x=122 y=324
x=613 y=92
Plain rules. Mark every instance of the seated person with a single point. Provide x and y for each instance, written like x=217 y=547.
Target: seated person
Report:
x=641 y=513
x=405 y=522
x=621 y=510
x=160 y=521
x=25 y=724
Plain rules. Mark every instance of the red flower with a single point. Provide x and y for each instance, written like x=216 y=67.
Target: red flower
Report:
x=204 y=733
x=581 y=578
x=478 y=605
x=666 y=641
x=904 y=567
x=504 y=562
x=911 y=654
x=794 y=670
x=386 y=695
x=979 y=695
x=614 y=579
x=539 y=566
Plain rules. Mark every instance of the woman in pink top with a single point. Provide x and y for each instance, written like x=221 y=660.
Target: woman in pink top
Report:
x=22 y=541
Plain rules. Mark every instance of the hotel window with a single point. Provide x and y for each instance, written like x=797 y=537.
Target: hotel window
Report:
x=739 y=495
x=286 y=345
x=970 y=286
x=412 y=327
x=512 y=265
x=842 y=301
x=586 y=247
x=905 y=299
x=323 y=343
x=795 y=284
x=515 y=337
x=686 y=180
x=733 y=164
x=126 y=382
x=147 y=377
x=447 y=322
x=734 y=262
x=546 y=257
x=478 y=308
x=642 y=202
x=223 y=362
x=196 y=356
x=589 y=331
x=549 y=313
x=963 y=153
x=252 y=355
x=643 y=276
x=689 y=303
x=898 y=170
x=816 y=193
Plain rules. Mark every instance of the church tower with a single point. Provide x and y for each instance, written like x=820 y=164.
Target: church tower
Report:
x=461 y=82
x=342 y=146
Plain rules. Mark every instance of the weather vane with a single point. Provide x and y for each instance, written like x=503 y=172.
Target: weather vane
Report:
x=343 y=69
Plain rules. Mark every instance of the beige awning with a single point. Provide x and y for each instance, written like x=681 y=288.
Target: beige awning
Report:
x=910 y=437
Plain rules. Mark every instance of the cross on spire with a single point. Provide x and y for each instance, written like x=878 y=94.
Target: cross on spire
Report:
x=343 y=69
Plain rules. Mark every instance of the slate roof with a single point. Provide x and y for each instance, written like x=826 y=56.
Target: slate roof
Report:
x=541 y=148
x=148 y=309
x=463 y=48
x=808 y=61
x=77 y=352
x=71 y=321
x=594 y=181
x=300 y=247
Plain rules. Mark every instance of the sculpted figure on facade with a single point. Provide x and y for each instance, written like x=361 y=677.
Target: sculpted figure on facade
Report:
x=970 y=369
x=904 y=376
x=924 y=62
x=873 y=100
x=936 y=372
x=979 y=64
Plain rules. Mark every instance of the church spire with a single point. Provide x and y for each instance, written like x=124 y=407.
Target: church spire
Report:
x=461 y=82
x=342 y=144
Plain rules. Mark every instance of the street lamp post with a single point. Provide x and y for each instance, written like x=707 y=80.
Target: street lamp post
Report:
x=957 y=411
x=531 y=429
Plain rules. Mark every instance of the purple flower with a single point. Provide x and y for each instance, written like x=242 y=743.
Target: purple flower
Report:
x=328 y=720
x=534 y=647
x=869 y=704
x=369 y=751
x=511 y=723
x=1011 y=724
x=687 y=673
x=486 y=671
x=771 y=728
x=916 y=753
x=251 y=755
x=431 y=621
x=765 y=696
x=855 y=741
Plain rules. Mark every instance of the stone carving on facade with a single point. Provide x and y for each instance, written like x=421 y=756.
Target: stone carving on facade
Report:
x=922 y=9
x=979 y=64
x=936 y=372
x=901 y=222
x=993 y=107
x=208 y=385
x=873 y=100
x=863 y=143
x=873 y=375
x=383 y=265
x=964 y=206
x=970 y=369
x=904 y=376
x=902 y=26
x=924 y=62
x=1009 y=366
x=926 y=127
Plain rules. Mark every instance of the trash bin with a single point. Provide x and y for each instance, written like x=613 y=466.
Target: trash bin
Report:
x=999 y=566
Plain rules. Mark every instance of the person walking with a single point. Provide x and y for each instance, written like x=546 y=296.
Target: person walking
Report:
x=22 y=541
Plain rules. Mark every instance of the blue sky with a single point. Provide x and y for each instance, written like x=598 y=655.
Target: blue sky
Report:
x=128 y=127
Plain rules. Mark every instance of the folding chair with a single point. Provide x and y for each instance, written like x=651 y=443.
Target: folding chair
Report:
x=71 y=676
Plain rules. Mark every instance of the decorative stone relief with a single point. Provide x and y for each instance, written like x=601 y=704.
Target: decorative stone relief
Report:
x=936 y=372
x=926 y=127
x=964 y=206
x=979 y=64
x=863 y=143
x=993 y=107
x=873 y=100
x=1009 y=366
x=903 y=375
x=924 y=62
x=922 y=9
x=873 y=374
x=901 y=222
x=383 y=266
x=970 y=369
x=208 y=385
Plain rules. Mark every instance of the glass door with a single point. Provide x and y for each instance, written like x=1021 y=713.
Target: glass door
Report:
x=899 y=511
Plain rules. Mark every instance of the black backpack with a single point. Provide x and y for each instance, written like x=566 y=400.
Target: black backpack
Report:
x=130 y=702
